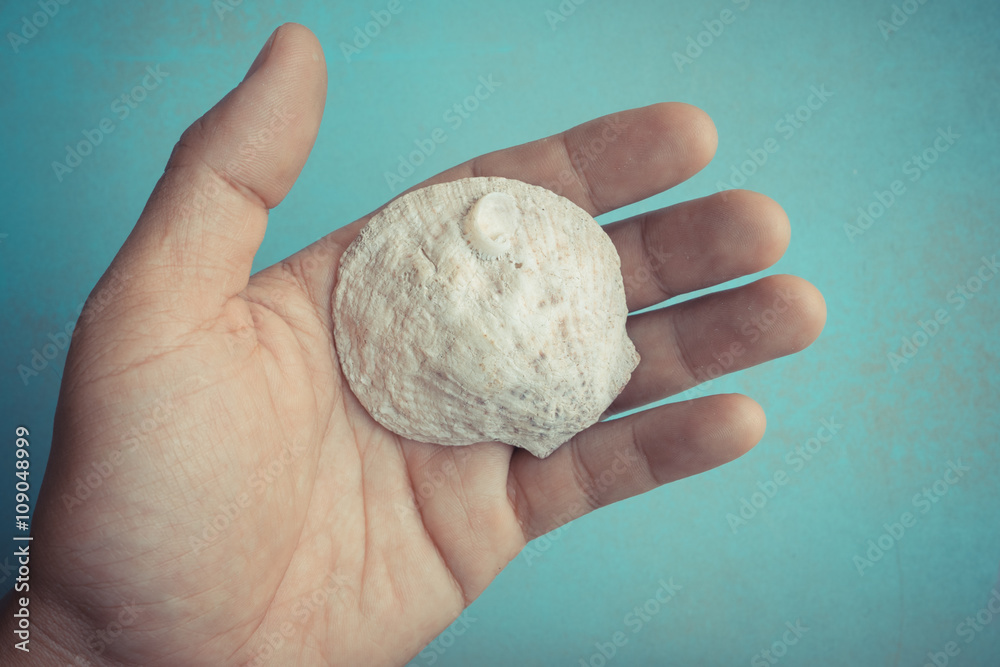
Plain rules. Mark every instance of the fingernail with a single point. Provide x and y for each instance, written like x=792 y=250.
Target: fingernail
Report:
x=262 y=56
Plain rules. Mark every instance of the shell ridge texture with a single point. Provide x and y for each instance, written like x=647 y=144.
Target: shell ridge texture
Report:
x=483 y=309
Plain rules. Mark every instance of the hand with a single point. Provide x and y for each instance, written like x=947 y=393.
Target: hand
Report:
x=215 y=489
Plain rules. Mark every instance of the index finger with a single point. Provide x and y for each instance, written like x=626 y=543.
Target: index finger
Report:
x=609 y=162
x=601 y=165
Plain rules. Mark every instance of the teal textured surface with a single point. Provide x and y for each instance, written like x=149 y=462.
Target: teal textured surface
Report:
x=865 y=527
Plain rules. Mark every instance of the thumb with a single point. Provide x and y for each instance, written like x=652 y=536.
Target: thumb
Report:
x=205 y=220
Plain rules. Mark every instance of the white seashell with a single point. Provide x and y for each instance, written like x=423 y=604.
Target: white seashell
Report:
x=484 y=309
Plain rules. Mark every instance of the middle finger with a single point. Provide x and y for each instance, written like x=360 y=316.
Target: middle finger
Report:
x=697 y=244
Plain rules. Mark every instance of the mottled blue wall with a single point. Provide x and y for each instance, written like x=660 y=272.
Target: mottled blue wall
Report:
x=897 y=75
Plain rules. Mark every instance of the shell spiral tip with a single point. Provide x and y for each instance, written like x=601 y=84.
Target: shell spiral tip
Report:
x=491 y=224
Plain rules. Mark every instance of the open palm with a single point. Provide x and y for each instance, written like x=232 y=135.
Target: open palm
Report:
x=216 y=494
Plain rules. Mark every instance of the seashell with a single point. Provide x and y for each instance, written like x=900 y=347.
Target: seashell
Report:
x=483 y=309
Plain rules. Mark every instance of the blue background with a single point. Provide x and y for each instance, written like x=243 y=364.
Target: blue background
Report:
x=794 y=558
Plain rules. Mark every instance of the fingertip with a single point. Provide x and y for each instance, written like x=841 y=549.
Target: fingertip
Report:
x=756 y=226
x=704 y=129
x=808 y=308
x=692 y=132
x=747 y=421
x=790 y=311
x=296 y=30
x=304 y=44
x=726 y=426
x=291 y=57
x=765 y=222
